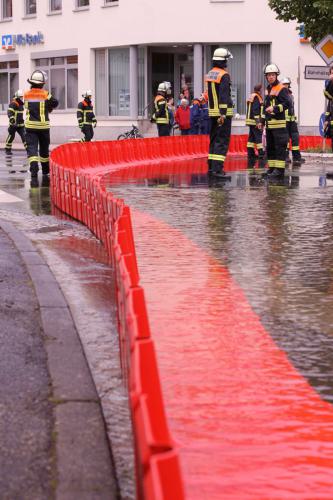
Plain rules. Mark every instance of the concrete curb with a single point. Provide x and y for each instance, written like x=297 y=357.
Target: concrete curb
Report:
x=83 y=456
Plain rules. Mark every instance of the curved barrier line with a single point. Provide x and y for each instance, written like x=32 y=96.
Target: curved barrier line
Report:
x=77 y=172
x=247 y=422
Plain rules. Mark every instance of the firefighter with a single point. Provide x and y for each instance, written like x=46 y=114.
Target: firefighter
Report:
x=254 y=115
x=86 y=116
x=161 y=111
x=292 y=127
x=38 y=103
x=220 y=110
x=276 y=103
x=16 y=121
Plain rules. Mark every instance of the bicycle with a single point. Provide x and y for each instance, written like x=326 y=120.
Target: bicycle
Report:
x=131 y=134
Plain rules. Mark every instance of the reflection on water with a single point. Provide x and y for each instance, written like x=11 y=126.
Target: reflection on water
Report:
x=244 y=419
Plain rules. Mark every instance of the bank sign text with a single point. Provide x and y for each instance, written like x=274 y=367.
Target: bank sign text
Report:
x=9 y=42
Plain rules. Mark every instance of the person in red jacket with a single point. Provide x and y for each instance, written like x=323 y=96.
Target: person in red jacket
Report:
x=182 y=117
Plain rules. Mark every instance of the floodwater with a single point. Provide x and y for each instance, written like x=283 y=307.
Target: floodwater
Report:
x=238 y=278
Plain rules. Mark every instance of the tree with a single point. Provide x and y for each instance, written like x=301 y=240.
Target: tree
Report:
x=315 y=16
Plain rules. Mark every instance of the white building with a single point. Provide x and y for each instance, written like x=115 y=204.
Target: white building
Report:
x=121 y=49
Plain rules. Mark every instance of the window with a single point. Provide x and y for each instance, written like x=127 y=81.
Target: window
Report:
x=9 y=80
x=6 y=9
x=55 y=5
x=81 y=3
x=119 y=94
x=30 y=7
x=109 y=2
x=62 y=81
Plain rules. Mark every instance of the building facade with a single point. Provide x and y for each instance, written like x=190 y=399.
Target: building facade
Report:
x=122 y=49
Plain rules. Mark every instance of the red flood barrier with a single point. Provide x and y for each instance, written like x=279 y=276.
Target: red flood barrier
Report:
x=78 y=171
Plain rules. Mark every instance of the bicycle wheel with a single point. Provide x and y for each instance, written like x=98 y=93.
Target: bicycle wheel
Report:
x=139 y=136
x=121 y=136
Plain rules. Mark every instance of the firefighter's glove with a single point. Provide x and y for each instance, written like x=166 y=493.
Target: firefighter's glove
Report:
x=221 y=120
x=12 y=121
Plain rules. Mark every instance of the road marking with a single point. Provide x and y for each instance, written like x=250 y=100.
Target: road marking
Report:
x=8 y=198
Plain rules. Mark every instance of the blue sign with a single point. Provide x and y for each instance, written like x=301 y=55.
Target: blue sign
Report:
x=321 y=124
x=11 y=41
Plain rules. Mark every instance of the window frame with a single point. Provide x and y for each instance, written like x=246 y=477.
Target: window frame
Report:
x=5 y=18
x=26 y=13
x=52 y=11
x=66 y=66
x=8 y=70
x=110 y=3
x=78 y=7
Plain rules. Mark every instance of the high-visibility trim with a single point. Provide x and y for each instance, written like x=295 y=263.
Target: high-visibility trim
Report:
x=295 y=148
x=215 y=99
x=276 y=90
x=32 y=159
x=215 y=75
x=213 y=112
x=42 y=112
x=260 y=145
x=230 y=112
x=250 y=145
x=223 y=106
x=249 y=121
x=271 y=163
x=212 y=156
x=161 y=121
x=44 y=159
x=280 y=164
x=37 y=125
x=280 y=106
x=9 y=141
x=328 y=95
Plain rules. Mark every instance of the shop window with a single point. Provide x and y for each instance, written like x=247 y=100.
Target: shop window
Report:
x=9 y=80
x=30 y=7
x=118 y=73
x=62 y=79
x=55 y=5
x=6 y=9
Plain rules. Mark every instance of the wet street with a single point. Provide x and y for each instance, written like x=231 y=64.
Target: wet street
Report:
x=238 y=280
x=82 y=269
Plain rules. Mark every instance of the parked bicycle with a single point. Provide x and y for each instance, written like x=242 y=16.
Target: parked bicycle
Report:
x=131 y=134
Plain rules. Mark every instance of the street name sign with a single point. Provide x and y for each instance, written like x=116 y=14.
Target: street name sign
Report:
x=325 y=49
x=316 y=72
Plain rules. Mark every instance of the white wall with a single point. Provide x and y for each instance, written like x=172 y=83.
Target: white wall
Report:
x=152 y=22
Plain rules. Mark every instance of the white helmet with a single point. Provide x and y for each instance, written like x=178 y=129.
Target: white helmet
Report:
x=285 y=80
x=19 y=94
x=271 y=68
x=87 y=93
x=38 y=76
x=222 y=55
x=164 y=87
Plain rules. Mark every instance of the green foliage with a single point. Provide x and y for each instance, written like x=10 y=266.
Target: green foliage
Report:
x=316 y=16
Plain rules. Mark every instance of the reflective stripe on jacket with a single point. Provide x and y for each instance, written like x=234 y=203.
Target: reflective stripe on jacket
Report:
x=38 y=104
x=219 y=93
x=161 y=111
x=15 y=113
x=254 y=109
x=85 y=113
x=278 y=97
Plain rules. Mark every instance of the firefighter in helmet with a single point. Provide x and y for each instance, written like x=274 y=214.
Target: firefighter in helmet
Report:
x=86 y=116
x=254 y=113
x=16 y=121
x=38 y=103
x=277 y=101
x=292 y=127
x=220 y=110
x=161 y=112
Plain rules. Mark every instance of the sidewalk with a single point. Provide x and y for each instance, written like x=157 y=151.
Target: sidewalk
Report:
x=52 y=433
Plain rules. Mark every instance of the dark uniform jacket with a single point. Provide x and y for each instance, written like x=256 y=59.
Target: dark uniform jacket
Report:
x=161 y=111
x=85 y=113
x=290 y=111
x=219 y=93
x=38 y=104
x=278 y=97
x=15 y=113
x=254 y=109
